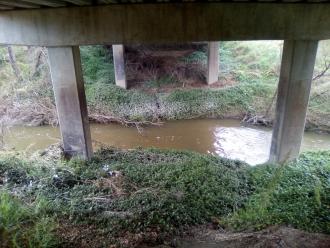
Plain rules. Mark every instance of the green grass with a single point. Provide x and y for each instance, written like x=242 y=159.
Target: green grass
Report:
x=176 y=189
x=296 y=194
x=196 y=57
x=160 y=192
x=97 y=65
x=24 y=224
x=231 y=101
x=250 y=60
x=24 y=221
x=239 y=60
x=179 y=104
x=111 y=100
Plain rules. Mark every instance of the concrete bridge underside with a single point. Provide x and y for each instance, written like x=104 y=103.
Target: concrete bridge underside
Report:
x=64 y=29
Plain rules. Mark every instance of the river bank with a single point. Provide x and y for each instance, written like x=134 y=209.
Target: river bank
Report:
x=166 y=83
x=110 y=104
x=148 y=196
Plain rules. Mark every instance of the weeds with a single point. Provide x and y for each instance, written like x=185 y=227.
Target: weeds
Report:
x=296 y=194
x=97 y=65
x=232 y=101
x=113 y=101
x=147 y=194
x=23 y=226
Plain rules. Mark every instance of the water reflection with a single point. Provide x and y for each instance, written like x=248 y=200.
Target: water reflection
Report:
x=227 y=138
x=247 y=144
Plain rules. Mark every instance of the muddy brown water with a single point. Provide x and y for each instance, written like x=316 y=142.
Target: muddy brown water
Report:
x=227 y=138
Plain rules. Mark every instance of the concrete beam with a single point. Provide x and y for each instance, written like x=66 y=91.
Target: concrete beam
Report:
x=19 y=4
x=213 y=62
x=119 y=63
x=144 y=23
x=65 y=67
x=297 y=67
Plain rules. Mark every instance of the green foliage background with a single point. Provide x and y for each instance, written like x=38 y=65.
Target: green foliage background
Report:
x=249 y=72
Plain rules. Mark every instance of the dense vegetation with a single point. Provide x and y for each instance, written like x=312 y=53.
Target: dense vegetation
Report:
x=239 y=63
x=128 y=197
x=170 y=87
x=124 y=198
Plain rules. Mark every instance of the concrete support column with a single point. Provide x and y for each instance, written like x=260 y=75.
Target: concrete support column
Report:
x=119 y=63
x=213 y=62
x=297 y=67
x=67 y=79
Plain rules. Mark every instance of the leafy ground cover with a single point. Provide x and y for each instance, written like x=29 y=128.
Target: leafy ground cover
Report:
x=127 y=198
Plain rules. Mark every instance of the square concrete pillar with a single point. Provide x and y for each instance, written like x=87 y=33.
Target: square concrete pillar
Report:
x=119 y=63
x=67 y=79
x=212 y=62
x=296 y=75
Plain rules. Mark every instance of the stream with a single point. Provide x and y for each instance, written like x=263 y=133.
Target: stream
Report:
x=226 y=138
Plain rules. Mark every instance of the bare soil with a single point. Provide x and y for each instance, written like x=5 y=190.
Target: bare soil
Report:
x=273 y=237
x=85 y=236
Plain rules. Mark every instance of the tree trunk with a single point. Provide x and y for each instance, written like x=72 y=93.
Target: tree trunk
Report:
x=12 y=60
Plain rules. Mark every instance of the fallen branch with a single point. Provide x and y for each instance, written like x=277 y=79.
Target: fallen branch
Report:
x=111 y=119
x=319 y=94
x=323 y=72
x=118 y=214
x=99 y=199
